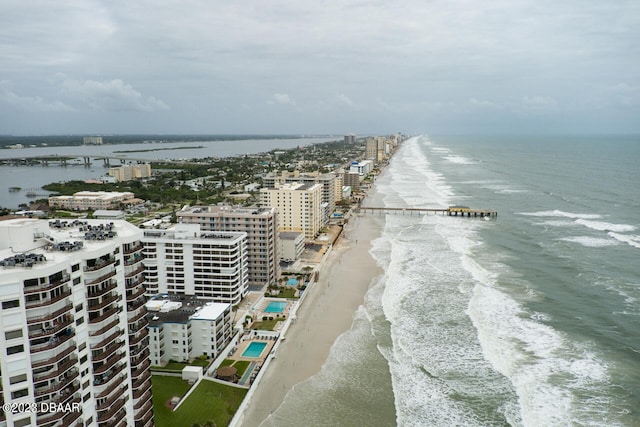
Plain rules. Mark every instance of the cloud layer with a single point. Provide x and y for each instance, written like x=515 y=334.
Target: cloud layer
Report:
x=319 y=67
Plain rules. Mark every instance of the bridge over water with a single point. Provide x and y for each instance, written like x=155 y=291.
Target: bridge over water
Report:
x=86 y=160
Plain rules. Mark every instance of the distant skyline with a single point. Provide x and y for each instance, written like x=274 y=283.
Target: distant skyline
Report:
x=331 y=67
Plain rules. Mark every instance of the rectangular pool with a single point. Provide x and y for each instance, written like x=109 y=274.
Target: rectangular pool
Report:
x=276 y=307
x=255 y=349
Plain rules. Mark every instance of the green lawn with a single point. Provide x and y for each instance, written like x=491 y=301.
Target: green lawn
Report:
x=266 y=325
x=209 y=402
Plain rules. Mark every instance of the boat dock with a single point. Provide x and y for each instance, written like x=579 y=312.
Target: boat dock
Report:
x=462 y=211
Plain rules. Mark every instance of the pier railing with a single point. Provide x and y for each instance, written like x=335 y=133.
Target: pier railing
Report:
x=452 y=211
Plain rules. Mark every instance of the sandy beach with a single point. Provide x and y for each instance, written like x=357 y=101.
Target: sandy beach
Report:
x=326 y=313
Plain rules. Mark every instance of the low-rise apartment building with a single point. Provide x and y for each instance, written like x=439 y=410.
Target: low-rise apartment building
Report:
x=183 y=329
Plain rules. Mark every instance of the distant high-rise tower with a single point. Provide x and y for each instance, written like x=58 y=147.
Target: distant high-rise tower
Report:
x=92 y=140
x=350 y=139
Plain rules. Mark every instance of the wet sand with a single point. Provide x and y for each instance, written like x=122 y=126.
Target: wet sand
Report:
x=326 y=312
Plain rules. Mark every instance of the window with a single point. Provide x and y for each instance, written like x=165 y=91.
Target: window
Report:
x=10 y=304
x=15 y=349
x=83 y=359
x=75 y=267
x=82 y=346
x=76 y=281
x=19 y=393
x=9 y=335
x=18 y=379
x=78 y=307
x=23 y=422
x=79 y=321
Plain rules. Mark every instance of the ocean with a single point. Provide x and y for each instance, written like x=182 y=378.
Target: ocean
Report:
x=530 y=319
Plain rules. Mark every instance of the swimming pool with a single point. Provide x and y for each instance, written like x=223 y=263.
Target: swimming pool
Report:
x=255 y=349
x=275 y=307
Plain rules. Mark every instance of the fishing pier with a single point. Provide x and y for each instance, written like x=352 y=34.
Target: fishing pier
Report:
x=461 y=211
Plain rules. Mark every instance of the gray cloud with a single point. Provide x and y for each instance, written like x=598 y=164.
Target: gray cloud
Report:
x=338 y=65
x=111 y=95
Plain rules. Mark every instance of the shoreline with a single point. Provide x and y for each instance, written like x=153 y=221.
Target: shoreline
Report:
x=327 y=313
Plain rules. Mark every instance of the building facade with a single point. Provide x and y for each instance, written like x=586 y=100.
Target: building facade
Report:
x=327 y=180
x=299 y=205
x=291 y=245
x=74 y=323
x=184 y=260
x=84 y=200
x=186 y=328
x=261 y=226
x=130 y=172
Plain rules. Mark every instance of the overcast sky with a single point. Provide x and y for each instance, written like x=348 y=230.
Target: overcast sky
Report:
x=333 y=66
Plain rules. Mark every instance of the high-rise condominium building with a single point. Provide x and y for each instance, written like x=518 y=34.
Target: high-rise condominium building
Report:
x=74 y=337
x=299 y=205
x=327 y=180
x=261 y=226
x=184 y=260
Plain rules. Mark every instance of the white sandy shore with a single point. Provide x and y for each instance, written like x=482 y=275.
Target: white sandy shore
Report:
x=326 y=313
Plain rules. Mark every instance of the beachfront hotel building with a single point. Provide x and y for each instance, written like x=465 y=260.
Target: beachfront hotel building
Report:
x=84 y=200
x=261 y=226
x=299 y=205
x=130 y=172
x=362 y=168
x=73 y=323
x=184 y=260
x=183 y=329
x=327 y=180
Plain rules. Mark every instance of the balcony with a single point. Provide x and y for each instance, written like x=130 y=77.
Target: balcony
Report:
x=132 y=295
x=101 y=278
x=140 y=314
x=146 y=386
x=58 y=385
x=147 y=420
x=54 y=359
x=132 y=260
x=115 y=322
x=108 y=350
x=61 y=370
x=49 y=316
x=108 y=340
x=44 y=303
x=141 y=334
x=99 y=265
x=106 y=378
x=106 y=315
x=105 y=302
x=47 y=331
x=53 y=343
x=108 y=390
x=112 y=413
x=133 y=249
x=107 y=364
x=141 y=370
x=47 y=286
x=101 y=291
x=132 y=283
x=134 y=272
x=142 y=401
x=50 y=418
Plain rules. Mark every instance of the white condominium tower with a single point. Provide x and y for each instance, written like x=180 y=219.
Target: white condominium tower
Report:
x=74 y=337
x=183 y=260
x=261 y=226
x=299 y=206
